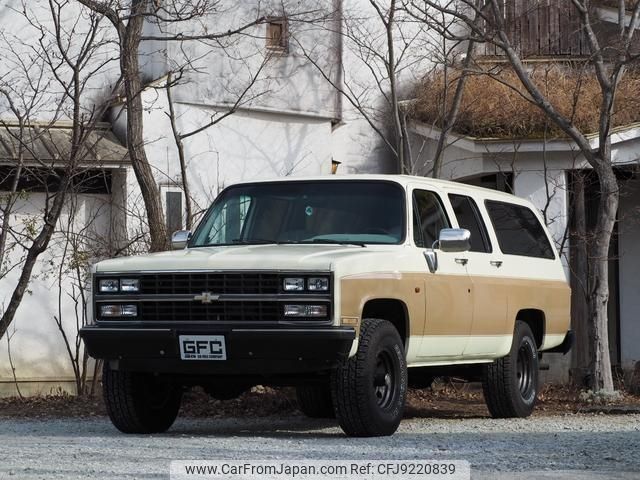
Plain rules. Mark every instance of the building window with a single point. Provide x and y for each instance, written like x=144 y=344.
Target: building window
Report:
x=173 y=200
x=278 y=35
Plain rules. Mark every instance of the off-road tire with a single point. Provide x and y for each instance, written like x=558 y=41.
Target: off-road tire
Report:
x=315 y=401
x=369 y=389
x=510 y=384
x=140 y=402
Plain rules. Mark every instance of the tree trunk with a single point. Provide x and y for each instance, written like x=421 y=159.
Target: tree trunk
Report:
x=451 y=117
x=395 y=106
x=129 y=64
x=602 y=379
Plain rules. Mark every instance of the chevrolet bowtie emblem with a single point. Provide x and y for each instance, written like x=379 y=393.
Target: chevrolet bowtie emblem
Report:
x=207 y=297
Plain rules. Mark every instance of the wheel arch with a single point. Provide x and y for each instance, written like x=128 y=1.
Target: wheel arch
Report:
x=393 y=310
x=536 y=320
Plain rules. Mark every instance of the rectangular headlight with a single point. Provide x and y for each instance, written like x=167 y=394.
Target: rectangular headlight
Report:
x=318 y=284
x=293 y=284
x=305 y=310
x=109 y=285
x=129 y=285
x=117 y=311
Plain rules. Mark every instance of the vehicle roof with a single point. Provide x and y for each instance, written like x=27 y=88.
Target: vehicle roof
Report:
x=403 y=180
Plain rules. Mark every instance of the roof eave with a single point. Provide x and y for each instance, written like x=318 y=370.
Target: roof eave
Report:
x=501 y=145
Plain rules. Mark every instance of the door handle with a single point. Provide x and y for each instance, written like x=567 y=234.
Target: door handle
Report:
x=496 y=263
x=462 y=261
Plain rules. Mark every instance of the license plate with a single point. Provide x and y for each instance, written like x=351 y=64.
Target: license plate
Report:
x=202 y=347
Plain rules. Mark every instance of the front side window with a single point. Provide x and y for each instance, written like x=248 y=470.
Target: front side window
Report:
x=429 y=218
x=518 y=230
x=305 y=212
x=469 y=218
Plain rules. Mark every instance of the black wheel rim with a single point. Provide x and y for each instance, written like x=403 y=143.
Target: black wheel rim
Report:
x=384 y=384
x=524 y=370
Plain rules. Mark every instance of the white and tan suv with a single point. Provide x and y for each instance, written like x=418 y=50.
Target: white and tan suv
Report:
x=349 y=288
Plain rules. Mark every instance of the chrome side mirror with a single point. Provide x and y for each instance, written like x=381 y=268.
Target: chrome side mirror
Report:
x=449 y=240
x=179 y=239
x=454 y=240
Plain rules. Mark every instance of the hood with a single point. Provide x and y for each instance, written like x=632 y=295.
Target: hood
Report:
x=237 y=257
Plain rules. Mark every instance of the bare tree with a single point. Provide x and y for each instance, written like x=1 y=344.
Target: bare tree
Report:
x=609 y=62
x=385 y=44
x=80 y=245
x=68 y=55
x=128 y=21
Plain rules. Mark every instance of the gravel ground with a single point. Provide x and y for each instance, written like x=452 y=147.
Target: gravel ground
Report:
x=572 y=446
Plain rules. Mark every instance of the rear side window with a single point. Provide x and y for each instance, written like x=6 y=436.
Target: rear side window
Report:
x=518 y=230
x=469 y=218
x=429 y=218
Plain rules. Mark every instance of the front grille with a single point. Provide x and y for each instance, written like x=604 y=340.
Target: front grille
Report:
x=253 y=297
x=217 y=312
x=218 y=283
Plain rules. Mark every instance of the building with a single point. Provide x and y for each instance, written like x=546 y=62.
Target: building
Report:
x=503 y=142
x=280 y=78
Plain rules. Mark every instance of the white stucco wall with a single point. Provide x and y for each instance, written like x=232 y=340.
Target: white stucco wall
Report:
x=216 y=72
x=38 y=351
x=364 y=45
x=250 y=144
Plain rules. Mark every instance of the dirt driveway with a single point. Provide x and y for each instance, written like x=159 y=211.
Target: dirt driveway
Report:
x=588 y=446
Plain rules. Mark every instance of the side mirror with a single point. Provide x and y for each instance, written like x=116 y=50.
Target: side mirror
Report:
x=179 y=239
x=449 y=240
x=454 y=240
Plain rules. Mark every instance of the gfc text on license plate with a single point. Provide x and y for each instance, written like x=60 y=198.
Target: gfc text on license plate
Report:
x=202 y=347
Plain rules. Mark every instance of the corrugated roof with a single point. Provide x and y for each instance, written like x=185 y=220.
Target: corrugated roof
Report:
x=44 y=143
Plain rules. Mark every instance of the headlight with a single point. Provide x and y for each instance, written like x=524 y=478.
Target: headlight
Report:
x=305 y=310
x=114 y=285
x=109 y=285
x=129 y=285
x=318 y=284
x=293 y=284
x=115 y=311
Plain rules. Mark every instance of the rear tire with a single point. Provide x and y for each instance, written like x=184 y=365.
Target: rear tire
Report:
x=510 y=384
x=369 y=389
x=140 y=402
x=315 y=401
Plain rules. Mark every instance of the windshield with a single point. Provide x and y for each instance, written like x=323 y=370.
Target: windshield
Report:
x=355 y=212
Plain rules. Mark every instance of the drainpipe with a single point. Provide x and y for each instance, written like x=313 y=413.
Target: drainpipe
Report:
x=338 y=49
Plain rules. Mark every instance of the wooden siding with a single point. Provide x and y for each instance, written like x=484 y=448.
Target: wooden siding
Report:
x=542 y=28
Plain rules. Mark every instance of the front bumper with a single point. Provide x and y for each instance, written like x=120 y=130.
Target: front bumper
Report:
x=250 y=351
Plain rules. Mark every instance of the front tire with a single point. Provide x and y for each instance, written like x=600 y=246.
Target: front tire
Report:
x=140 y=402
x=369 y=389
x=510 y=384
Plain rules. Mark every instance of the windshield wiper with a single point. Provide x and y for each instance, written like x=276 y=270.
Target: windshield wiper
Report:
x=335 y=242
x=253 y=241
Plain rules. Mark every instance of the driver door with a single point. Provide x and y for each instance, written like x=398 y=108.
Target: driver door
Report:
x=449 y=292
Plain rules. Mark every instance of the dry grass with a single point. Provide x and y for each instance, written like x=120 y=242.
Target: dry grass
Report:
x=491 y=108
